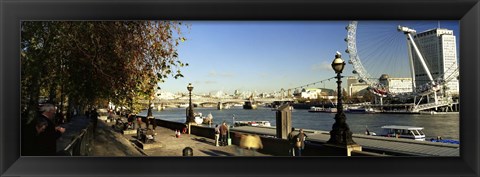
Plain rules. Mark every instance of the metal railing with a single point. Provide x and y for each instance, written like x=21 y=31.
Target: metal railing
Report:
x=81 y=144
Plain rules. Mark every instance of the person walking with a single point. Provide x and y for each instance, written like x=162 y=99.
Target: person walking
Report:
x=291 y=140
x=300 y=142
x=223 y=134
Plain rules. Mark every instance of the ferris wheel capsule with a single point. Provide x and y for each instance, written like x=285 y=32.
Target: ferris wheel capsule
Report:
x=354 y=71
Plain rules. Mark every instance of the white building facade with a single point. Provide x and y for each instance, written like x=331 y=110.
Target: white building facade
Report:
x=354 y=86
x=396 y=85
x=313 y=93
x=439 y=49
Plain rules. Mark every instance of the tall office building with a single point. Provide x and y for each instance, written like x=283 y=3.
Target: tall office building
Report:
x=439 y=49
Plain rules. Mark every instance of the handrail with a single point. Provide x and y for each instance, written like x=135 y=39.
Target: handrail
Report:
x=81 y=144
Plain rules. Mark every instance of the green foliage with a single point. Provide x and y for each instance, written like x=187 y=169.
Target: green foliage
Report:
x=92 y=62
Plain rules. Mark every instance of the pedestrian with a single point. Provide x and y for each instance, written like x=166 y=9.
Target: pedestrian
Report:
x=47 y=140
x=94 y=119
x=300 y=142
x=217 y=134
x=291 y=140
x=223 y=134
x=130 y=119
x=87 y=114
x=30 y=136
x=139 y=122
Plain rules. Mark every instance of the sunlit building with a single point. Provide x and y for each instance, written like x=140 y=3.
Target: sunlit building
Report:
x=313 y=93
x=355 y=87
x=396 y=85
x=439 y=49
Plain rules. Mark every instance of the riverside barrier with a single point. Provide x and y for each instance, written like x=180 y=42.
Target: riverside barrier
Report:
x=77 y=139
x=271 y=144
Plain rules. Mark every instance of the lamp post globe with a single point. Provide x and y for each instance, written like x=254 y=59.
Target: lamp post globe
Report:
x=190 y=87
x=190 y=116
x=340 y=133
x=338 y=64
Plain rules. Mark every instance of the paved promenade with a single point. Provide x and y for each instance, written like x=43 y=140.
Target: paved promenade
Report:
x=113 y=143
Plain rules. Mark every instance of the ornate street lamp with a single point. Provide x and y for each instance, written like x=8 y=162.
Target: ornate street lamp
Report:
x=149 y=113
x=340 y=133
x=150 y=119
x=190 y=116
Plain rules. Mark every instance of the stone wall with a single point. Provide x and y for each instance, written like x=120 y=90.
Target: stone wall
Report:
x=274 y=146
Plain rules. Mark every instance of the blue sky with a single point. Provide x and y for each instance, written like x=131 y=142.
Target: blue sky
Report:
x=262 y=56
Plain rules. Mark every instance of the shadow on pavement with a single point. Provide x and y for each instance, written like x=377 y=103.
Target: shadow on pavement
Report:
x=221 y=152
x=210 y=153
x=203 y=140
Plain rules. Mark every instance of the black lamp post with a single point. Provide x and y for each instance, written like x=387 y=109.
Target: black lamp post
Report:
x=340 y=133
x=149 y=113
x=190 y=116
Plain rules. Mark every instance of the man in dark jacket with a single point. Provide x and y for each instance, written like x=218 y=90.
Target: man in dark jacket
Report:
x=47 y=140
x=291 y=139
x=30 y=134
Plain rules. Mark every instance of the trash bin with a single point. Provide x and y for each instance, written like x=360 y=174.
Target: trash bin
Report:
x=229 y=140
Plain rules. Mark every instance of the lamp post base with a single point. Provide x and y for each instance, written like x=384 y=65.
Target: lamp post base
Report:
x=341 y=150
x=340 y=133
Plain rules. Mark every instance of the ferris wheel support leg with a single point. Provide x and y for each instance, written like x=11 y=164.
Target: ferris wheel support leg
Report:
x=420 y=56
x=412 y=68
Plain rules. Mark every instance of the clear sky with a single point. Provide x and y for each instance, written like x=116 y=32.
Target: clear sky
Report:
x=262 y=56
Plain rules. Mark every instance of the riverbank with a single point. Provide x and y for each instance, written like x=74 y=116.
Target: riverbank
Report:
x=444 y=125
x=110 y=142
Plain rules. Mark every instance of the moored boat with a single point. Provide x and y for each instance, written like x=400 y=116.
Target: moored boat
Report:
x=326 y=110
x=316 y=109
x=253 y=123
x=359 y=110
x=400 y=131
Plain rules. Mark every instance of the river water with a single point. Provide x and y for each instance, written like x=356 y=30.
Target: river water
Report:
x=447 y=126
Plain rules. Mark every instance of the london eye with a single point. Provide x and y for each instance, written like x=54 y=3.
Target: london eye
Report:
x=388 y=49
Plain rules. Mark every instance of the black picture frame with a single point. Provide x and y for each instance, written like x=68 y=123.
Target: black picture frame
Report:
x=13 y=12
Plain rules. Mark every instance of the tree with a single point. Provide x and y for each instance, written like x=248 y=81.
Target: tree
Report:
x=90 y=63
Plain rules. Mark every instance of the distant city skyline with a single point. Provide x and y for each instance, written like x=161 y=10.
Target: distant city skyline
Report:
x=264 y=56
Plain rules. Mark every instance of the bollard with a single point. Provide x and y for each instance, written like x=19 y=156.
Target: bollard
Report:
x=188 y=151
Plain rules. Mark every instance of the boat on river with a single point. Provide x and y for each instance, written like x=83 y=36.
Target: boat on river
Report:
x=253 y=123
x=319 y=109
x=359 y=110
x=400 y=131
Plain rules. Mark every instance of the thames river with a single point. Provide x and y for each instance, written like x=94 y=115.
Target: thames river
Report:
x=447 y=126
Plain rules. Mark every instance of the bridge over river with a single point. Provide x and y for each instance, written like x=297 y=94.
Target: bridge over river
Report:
x=209 y=102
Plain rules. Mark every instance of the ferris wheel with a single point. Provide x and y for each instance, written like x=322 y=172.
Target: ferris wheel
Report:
x=389 y=51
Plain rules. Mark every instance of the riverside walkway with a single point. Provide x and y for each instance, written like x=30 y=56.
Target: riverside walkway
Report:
x=113 y=143
x=373 y=143
x=109 y=142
